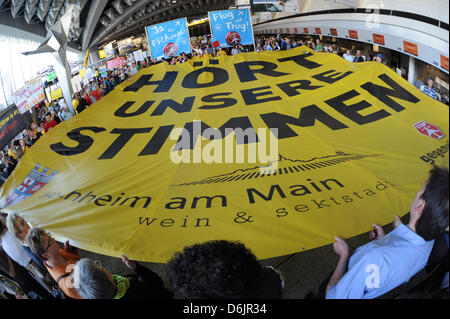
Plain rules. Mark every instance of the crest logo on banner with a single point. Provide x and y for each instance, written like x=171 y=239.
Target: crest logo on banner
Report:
x=231 y=27
x=430 y=130
x=169 y=39
x=33 y=182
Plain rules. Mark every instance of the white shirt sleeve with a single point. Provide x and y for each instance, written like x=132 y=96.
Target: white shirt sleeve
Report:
x=15 y=250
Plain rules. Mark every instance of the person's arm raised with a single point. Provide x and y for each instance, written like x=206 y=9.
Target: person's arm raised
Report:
x=341 y=248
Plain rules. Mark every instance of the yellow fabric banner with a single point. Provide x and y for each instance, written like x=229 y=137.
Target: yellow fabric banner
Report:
x=161 y=162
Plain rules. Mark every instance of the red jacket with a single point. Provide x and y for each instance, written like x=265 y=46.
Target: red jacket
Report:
x=88 y=99
x=97 y=95
x=48 y=126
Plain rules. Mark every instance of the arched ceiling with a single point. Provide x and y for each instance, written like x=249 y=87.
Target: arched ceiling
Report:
x=101 y=21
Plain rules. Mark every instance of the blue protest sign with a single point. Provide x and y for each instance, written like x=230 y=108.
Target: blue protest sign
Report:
x=169 y=39
x=103 y=71
x=231 y=27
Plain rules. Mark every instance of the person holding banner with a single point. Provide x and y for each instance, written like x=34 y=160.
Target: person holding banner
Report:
x=242 y=49
x=221 y=269
x=182 y=58
x=276 y=45
x=58 y=260
x=96 y=282
x=393 y=259
x=196 y=56
x=221 y=52
x=207 y=54
x=173 y=61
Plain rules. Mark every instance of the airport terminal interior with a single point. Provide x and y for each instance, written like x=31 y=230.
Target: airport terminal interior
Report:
x=134 y=140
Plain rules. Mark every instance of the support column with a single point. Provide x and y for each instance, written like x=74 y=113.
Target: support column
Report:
x=93 y=55
x=64 y=75
x=412 y=70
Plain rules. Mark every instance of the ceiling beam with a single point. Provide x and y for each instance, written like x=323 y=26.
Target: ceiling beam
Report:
x=100 y=35
x=194 y=7
x=36 y=28
x=95 y=11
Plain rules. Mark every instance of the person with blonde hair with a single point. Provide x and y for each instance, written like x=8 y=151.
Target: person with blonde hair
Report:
x=58 y=260
x=18 y=265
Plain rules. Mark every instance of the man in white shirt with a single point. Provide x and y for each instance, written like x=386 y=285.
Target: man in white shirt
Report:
x=348 y=56
x=235 y=50
x=133 y=69
x=14 y=249
x=393 y=259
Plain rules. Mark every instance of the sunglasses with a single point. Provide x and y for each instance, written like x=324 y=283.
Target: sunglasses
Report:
x=49 y=243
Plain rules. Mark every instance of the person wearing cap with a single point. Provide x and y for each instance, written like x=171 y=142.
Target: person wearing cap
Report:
x=379 y=58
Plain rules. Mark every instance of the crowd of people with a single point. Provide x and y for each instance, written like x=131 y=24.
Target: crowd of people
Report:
x=47 y=116
x=278 y=43
x=33 y=265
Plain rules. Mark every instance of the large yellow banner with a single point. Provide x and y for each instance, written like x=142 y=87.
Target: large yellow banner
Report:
x=279 y=150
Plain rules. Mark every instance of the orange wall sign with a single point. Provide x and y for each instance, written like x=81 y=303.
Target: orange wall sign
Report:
x=410 y=47
x=353 y=34
x=444 y=62
x=318 y=31
x=305 y=30
x=296 y=30
x=378 y=38
x=333 y=32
